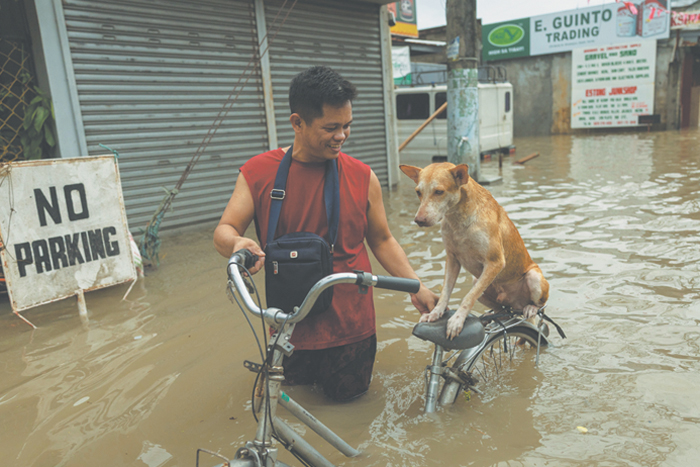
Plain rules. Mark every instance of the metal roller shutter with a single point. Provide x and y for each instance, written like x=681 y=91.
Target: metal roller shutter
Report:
x=344 y=36
x=152 y=75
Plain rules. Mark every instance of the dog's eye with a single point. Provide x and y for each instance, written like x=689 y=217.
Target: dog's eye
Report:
x=439 y=192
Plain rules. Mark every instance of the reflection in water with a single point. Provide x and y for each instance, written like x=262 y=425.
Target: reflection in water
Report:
x=614 y=223
x=617 y=158
x=82 y=396
x=154 y=455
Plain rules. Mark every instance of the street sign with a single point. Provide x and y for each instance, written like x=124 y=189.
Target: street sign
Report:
x=63 y=228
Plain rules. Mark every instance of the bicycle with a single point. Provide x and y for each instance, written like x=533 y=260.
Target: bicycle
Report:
x=267 y=394
x=480 y=350
x=485 y=346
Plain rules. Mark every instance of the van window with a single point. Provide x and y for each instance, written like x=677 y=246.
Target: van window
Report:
x=412 y=106
x=507 y=101
x=441 y=98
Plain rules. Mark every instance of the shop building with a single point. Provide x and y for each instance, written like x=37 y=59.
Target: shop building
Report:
x=160 y=81
x=542 y=70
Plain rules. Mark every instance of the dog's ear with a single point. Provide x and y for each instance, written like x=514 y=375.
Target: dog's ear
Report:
x=460 y=174
x=412 y=172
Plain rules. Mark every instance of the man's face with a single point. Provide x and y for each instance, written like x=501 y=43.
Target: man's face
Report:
x=322 y=139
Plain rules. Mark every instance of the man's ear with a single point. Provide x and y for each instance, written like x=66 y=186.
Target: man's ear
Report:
x=296 y=121
x=412 y=172
x=460 y=174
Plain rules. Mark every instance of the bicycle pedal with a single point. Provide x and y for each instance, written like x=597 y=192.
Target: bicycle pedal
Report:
x=252 y=366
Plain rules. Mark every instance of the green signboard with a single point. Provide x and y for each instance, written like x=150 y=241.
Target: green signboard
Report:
x=564 y=31
x=509 y=39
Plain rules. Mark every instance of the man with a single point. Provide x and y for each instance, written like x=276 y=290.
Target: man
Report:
x=336 y=348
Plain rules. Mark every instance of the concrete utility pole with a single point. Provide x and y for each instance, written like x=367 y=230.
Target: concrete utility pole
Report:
x=462 y=82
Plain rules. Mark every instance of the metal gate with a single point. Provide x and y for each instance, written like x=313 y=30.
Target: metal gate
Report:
x=152 y=76
x=345 y=36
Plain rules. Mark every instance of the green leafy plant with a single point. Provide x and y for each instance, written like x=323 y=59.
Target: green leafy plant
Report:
x=38 y=135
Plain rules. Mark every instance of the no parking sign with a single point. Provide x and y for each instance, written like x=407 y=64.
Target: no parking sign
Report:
x=63 y=229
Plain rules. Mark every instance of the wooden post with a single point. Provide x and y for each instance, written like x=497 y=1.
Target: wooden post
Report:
x=527 y=158
x=420 y=128
x=82 y=308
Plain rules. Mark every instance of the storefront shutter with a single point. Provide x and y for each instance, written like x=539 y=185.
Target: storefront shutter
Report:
x=344 y=36
x=152 y=76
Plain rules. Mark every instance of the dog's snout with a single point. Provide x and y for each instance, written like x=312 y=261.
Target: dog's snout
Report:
x=421 y=221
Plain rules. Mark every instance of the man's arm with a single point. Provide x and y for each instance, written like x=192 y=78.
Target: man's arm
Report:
x=239 y=212
x=388 y=251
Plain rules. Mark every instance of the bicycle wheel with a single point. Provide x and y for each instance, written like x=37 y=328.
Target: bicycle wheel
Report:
x=492 y=366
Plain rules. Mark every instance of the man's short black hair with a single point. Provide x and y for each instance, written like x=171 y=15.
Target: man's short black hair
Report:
x=316 y=86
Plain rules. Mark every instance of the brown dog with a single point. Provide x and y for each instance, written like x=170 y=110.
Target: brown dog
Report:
x=478 y=236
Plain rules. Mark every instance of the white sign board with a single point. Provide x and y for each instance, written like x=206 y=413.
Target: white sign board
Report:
x=611 y=23
x=64 y=229
x=401 y=60
x=612 y=86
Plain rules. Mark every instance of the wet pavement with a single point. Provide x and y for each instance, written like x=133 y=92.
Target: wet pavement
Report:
x=614 y=223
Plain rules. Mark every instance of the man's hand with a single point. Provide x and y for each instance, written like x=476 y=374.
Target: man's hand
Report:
x=425 y=300
x=254 y=248
x=239 y=212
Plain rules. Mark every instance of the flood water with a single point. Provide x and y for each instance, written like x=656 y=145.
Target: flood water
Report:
x=614 y=223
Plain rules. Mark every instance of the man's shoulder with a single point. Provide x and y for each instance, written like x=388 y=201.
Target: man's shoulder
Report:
x=262 y=162
x=351 y=163
x=268 y=156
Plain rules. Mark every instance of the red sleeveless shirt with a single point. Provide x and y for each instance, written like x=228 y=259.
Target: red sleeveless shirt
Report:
x=351 y=317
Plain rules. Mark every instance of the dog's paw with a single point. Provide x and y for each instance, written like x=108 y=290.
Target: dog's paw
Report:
x=530 y=311
x=455 y=325
x=432 y=316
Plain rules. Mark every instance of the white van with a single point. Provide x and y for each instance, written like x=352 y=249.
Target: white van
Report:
x=415 y=104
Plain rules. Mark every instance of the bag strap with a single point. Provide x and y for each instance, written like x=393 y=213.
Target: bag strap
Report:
x=331 y=196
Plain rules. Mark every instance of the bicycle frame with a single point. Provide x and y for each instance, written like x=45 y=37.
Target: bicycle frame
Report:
x=268 y=395
x=452 y=374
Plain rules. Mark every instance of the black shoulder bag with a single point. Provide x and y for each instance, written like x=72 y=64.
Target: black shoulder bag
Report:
x=296 y=261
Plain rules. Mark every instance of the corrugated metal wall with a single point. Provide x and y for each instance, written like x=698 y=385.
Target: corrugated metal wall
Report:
x=344 y=36
x=152 y=76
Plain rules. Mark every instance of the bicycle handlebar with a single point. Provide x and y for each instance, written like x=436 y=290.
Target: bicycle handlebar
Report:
x=246 y=258
x=274 y=315
x=398 y=283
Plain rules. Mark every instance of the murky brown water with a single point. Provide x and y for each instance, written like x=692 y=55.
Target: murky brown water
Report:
x=613 y=221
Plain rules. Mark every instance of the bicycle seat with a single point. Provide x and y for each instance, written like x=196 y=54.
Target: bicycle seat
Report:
x=436 y=332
